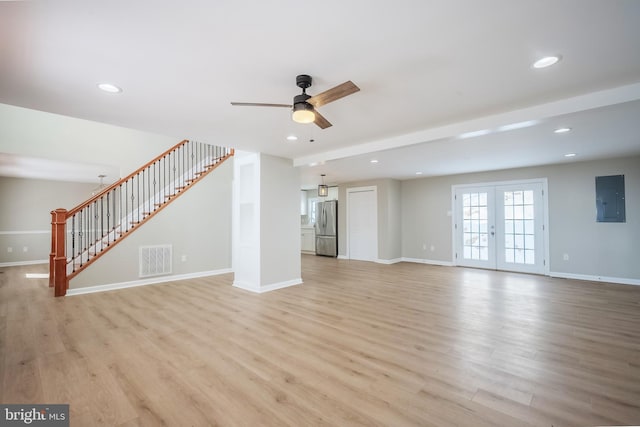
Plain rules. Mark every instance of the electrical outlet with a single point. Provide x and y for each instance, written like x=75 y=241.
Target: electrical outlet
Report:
x=565 y=257
x=424 y=246
x=433 y=248
x=25 y=249
x=9 y=249
x=184 y=258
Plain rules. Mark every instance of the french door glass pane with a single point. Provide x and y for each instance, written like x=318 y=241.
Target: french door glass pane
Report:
x=475 y=226
x=519 y=227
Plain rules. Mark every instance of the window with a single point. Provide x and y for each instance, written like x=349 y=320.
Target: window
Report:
x=312 y=210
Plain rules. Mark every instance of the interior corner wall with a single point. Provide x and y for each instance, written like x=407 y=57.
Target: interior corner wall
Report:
x=25 y=215
x=197 y=225
x=594 y=249
x=389 y=216
x=39 y=134
x=280 y=262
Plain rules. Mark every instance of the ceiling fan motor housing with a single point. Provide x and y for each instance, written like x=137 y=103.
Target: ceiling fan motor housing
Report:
x=302 y=98
x=303 y=81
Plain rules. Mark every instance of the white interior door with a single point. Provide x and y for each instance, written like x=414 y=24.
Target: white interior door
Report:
x=362 y=224
x=501 y=227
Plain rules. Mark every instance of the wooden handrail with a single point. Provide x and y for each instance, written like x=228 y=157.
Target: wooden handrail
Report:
x=121 y=180
x=151 y=214
x=83 y=234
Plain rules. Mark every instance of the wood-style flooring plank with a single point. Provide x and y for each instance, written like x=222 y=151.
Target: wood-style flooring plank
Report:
x=358 y=344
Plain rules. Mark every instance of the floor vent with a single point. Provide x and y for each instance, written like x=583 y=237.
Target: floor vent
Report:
x=155 y=260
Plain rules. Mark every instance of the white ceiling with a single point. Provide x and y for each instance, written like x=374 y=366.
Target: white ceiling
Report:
x=428 y=72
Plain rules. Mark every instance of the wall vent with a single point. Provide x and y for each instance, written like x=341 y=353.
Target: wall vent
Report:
x=155 y=260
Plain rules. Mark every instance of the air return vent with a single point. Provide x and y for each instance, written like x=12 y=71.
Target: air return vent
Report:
x=155 y=260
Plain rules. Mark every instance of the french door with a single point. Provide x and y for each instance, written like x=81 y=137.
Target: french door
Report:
x=501 y=227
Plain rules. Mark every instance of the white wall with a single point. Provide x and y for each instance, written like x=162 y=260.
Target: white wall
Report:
x=52 y=136
x=607 y=250
x=266 y=223
x=279 y=221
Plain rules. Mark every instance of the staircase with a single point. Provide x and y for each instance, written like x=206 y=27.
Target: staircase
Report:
x=81 y=235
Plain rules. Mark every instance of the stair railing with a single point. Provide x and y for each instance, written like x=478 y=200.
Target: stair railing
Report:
x=83 y=234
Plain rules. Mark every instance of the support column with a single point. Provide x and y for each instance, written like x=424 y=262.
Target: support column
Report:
x=266 y=222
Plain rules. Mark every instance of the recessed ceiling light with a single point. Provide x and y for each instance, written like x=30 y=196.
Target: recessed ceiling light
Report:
x=562 y=130
x=519 y=125
x=374 y=161
x=292 y=138
x=108 y=87
x=545 y=62
x=570 y=155
x=418 y=173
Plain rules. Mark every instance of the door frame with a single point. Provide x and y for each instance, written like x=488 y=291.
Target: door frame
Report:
x=373 y=188
x=545 y=215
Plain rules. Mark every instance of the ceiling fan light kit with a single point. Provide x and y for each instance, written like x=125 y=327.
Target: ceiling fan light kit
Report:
x=305 y=106
x=303 y=112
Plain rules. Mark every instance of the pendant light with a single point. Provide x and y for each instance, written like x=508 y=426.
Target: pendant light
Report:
x=323 y=189
x=99 y=187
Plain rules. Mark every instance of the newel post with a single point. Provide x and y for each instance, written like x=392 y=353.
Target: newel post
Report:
x=52 y=254
x=59 y=268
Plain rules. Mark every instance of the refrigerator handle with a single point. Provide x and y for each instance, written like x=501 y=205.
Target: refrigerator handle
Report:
x=324 y=212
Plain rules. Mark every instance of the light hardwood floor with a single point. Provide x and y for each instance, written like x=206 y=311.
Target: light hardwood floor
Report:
x=356 y=344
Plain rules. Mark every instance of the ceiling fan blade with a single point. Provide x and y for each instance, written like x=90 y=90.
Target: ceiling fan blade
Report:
x=259 y=104
x=340 y=91
x=321 y=121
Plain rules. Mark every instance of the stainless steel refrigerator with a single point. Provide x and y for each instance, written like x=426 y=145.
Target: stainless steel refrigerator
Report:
x=327 y=228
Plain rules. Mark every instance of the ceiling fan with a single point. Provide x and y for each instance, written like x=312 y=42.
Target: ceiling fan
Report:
x=304 y=105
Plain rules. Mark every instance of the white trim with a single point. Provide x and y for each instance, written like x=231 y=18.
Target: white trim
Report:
x=25 y=232
x=500 y=183
x=389 y=261
x=19 y=263
x=592 y=278
x=343 y=257
x=37 y=275
x=429 y=261
x=144 y=282
x=249 y=287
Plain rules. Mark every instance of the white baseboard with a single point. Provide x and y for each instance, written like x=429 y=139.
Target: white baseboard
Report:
x=19 y=263
x=251 y=288
x=342 y=257
x=429 y=261
x=144 y=282
x=591 y=278
x=389 y=261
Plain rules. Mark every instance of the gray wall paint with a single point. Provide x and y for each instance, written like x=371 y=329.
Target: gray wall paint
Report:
x=279 y=221
x=197 y=224
x=25 y=205
x=597 y=249
x=389 y=216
